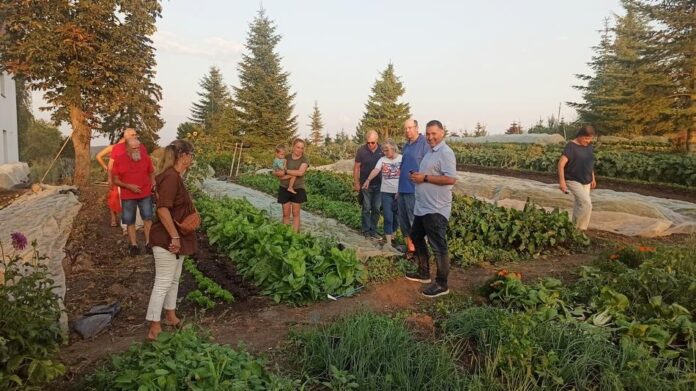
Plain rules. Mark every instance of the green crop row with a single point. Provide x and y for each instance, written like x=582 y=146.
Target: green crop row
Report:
x=207 y=288
x=481 y=231
x=289 y=267
x=328 y=194
x=185 y=360
x=669 y=168
x=642 y=295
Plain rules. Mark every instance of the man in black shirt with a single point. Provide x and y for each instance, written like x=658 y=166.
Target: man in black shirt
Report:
x=576 y=174
x=365 y=160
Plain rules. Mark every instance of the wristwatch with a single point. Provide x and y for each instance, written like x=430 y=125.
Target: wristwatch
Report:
x=425 y=178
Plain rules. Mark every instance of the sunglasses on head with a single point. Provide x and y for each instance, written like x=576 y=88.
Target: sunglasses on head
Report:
x=372 y=142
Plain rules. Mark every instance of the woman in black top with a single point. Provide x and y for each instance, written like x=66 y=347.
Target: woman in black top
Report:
x=576 y=174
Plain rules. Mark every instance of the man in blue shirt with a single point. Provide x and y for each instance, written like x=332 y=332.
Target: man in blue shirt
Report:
x=415 y=148
x=434 y=181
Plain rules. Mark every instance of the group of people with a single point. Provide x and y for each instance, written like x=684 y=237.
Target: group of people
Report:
x=412 y=189
x=413 y=192
x=141 y=187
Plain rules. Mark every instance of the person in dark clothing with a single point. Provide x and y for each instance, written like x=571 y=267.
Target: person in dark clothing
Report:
x=366 y=159
x=576 y=174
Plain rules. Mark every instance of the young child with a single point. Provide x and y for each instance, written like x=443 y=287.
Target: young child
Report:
x=280 y=163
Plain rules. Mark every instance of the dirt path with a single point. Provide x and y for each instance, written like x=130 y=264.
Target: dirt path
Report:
x=99 y=271
x=648 y=189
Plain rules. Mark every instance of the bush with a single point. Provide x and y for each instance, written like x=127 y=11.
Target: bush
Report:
x=30 y=335
x=185 y=361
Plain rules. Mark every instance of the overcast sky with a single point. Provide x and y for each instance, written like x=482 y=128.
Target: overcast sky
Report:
x=461 y=61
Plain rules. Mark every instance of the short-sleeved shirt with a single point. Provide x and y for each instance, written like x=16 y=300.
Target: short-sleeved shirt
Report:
x=294 y=164
x=389 y=169
x=412 y=153
x=173 y=195
x=432 y=198
x=278 y=164
x=368 y=160
x=580 y=163
x=134 y=173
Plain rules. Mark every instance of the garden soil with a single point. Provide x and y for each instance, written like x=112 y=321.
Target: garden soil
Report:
x=625 y=213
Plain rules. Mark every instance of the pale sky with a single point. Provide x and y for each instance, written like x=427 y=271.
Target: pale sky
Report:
x=460 y=61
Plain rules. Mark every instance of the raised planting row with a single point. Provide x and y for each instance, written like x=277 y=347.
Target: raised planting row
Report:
x=641 y=296
x=289 y=267
x=329 y=194
x=668 y=168
x=208 y=290
x=185 y=361
x=480 y=231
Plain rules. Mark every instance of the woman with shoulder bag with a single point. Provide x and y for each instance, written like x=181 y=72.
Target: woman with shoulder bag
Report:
x=173 y=236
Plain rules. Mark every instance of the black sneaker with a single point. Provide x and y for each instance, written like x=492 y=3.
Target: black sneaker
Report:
x=434 y=290
x=399 y=247
x=133 y=250
x=417 y=277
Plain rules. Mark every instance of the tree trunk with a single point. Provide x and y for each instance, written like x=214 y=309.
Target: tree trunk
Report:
x=81 y=137
x=691 y=141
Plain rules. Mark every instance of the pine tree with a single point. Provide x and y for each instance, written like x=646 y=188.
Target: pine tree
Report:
x=94 y=57
x=316 y=126
x=597 y=107
x=673 y=44
x=263 y=102
x=480 y=130
x=383 y=111
x=515 y=128
x=214 y=112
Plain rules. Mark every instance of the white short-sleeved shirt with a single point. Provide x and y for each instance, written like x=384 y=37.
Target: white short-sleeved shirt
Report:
x=390 y=170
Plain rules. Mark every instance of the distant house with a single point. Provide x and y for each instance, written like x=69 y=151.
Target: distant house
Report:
x=9 y=141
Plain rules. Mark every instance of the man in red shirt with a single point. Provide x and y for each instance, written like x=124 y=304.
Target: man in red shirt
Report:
x=134 y=174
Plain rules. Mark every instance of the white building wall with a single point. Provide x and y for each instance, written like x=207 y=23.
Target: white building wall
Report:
x=9 y=142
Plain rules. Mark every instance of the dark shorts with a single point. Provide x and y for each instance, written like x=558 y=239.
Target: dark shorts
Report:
x=130 y=206
x=284 y=196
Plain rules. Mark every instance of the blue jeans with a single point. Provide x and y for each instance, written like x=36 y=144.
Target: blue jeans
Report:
x=407 y=202
x=130 y=206
x=370 y=210
x=390 y=214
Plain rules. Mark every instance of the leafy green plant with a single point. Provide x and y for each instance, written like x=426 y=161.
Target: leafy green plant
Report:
x=379 y=352
x=185 y=360
x=611 y=161
x=478 y=229
x=203 y=301
x=289 y=267
x=206 y=286
x=30 y=335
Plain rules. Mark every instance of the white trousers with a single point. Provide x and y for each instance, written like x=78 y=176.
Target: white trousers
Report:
x=166 y=287
x=582 y=210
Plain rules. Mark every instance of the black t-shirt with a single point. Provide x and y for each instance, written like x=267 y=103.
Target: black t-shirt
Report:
x=368 y=160
x=580 y=163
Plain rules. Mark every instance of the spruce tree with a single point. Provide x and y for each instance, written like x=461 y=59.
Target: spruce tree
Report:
x=673 y=45
x=89 y=58
x=214 y=112
x=515 y=128
x=597 y=107
x=188 y=130
x=383 y=111
x=480 y=130
x=263 y=102
x=316 y=125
